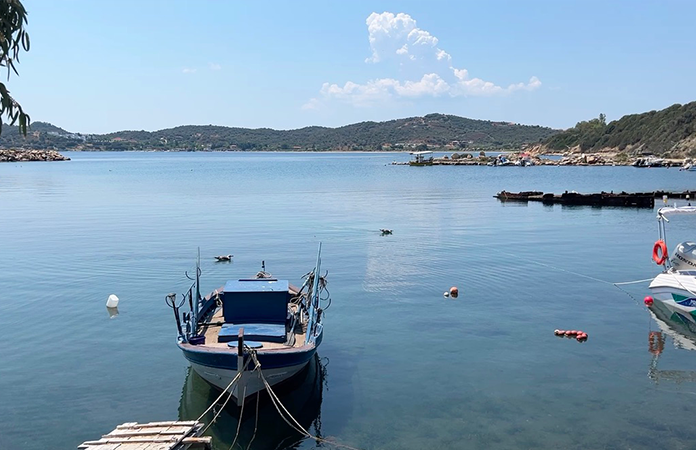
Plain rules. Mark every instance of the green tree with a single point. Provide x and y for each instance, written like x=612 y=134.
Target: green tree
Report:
x=13 y=38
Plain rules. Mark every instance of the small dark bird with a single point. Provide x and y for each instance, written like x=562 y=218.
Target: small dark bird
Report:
x=224 y=258
x=385 y=231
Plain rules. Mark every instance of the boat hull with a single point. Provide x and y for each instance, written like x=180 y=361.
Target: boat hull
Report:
x=219 y=366
x=252 y=381
x=677 y=292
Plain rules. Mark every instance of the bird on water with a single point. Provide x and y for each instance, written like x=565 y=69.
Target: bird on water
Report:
x=224 y=258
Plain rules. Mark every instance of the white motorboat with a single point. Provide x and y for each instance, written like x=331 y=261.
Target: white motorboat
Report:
x=676 y=285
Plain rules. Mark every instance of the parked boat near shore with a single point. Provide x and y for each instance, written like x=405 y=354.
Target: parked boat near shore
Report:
x=676 y=285
x=252 y=332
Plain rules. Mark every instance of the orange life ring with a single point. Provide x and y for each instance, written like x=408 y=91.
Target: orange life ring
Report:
x=660 y=252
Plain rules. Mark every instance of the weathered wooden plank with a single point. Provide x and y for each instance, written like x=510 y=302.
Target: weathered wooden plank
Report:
x=157 y=424
x=204 y=440
x=148 y=436
x=128 y=433
x=135 y=440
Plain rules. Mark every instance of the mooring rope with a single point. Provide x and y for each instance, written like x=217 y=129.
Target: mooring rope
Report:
x=220 y=396
x=281 y=408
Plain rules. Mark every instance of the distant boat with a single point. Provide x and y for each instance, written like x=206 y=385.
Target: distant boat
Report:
x=650 y=161
x=248 y=321
x=424 y=158
x=689 y=167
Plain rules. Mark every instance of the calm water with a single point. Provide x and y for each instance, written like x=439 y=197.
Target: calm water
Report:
x=403 y=367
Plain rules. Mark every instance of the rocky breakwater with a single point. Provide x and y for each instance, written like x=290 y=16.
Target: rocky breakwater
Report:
x=31 y=155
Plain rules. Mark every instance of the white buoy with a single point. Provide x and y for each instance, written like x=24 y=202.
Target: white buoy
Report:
x=112 y=301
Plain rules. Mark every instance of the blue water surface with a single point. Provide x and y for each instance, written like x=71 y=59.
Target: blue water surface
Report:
x=403 y=367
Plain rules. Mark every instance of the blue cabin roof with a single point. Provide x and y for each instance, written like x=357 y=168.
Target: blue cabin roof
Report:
x=255 y=301
x=256 y=285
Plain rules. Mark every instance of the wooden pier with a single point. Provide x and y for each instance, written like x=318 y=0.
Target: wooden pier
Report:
x=152 y=436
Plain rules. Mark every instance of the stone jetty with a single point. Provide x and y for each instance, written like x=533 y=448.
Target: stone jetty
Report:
x=31 y=155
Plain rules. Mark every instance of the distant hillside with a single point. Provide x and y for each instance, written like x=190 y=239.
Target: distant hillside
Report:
x=669 y=132
x=434 y=130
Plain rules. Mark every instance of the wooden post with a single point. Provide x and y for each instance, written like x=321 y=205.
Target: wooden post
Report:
x=241 y=383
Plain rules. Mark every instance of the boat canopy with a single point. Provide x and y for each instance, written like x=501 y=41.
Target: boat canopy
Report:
x=671 y=210
x=428 y=152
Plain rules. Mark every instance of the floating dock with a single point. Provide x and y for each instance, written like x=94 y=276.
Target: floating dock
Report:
x=625 y=199
x=152 y=436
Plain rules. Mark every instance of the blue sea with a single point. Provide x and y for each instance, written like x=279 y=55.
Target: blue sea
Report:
x=401 y=365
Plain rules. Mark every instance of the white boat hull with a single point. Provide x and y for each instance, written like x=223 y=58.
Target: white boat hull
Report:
x=677 y=291
x=251 y=382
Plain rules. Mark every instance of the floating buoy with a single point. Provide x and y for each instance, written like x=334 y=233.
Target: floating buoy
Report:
x=454 y=291
x=557 y=332
x=648 y=301
x=568 y=333
x=581 y=337
x=560 y=333
x=112 y=301
x=446 y=294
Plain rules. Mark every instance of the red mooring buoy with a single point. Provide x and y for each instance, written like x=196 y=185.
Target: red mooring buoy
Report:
x=648 y=301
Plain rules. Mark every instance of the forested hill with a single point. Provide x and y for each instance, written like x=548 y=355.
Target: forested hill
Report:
x=433 y=130
x=669 y=132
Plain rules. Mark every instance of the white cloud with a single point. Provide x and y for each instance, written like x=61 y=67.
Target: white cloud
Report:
x=395 y=38
x=312 y=104
x=214 y=66
x=188 y=70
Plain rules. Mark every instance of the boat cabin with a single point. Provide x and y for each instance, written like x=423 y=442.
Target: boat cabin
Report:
x=258 y=305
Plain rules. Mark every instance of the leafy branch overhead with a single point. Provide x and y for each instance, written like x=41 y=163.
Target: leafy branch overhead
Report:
x=13 y=39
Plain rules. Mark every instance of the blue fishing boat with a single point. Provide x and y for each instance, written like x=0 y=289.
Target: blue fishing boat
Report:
x=251 y=333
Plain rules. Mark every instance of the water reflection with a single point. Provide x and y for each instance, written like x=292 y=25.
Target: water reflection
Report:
x=681 y=330
x=301 y=395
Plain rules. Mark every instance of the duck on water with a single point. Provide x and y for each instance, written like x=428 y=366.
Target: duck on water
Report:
x=251 y=332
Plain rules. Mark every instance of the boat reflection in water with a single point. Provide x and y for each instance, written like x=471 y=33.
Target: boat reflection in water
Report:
x=681 y=330
x=301 y=395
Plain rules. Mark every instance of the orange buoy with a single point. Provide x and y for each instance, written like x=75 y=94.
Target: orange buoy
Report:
x=454 y=292
x=568 y=333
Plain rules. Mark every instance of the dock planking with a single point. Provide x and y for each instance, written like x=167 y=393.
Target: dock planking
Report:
x=151 y=436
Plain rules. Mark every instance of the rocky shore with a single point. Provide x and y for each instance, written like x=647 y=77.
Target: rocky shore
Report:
x=529 y=158
x=31 y=155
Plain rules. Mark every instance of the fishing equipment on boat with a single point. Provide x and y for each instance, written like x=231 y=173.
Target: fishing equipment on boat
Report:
x=659 y=254
x=112 y=301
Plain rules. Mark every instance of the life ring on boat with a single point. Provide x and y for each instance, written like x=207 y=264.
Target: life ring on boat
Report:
x=660 y=252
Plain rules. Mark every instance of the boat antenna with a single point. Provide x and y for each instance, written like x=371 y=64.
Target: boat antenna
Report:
x=263 y=266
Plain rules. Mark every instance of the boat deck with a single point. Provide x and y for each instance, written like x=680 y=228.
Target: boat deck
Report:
x=211 y=336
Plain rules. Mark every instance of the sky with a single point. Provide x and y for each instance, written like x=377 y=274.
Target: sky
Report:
x=103 y=66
